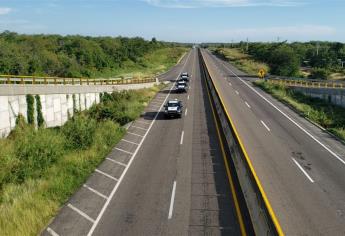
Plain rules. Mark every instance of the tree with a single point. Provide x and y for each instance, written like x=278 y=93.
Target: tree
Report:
x=283 y=61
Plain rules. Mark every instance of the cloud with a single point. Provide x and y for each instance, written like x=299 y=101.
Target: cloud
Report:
x=5 y=10
x=221 y=3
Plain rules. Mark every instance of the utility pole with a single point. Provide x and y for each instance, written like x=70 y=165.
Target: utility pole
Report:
x=247 y=44
x=317 y=48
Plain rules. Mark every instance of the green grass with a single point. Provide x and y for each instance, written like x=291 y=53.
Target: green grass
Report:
x=329 y=116
x=40 y=169
x=151 y=64
x=243 y=61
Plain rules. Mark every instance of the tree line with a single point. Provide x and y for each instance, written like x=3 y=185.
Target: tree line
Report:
x=70 y=56
x=287 y=58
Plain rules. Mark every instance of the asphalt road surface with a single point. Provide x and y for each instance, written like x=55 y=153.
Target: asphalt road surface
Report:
x=165 y=177
x=301 y=167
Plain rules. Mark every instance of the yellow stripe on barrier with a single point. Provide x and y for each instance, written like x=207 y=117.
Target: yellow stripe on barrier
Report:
x=263 y=194
x=231 y=182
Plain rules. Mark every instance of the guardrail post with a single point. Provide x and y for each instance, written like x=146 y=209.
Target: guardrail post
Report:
x=22 y=80
x=33 y=80
x=87 y=81
x=80 y=81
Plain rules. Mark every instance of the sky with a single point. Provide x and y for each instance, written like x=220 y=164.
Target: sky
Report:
x=193 y=21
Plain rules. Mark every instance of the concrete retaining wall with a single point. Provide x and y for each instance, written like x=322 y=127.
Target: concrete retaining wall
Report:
x=335 y=96
x=57 y=101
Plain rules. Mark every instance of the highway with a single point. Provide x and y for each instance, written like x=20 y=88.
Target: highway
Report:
x=165 y=177
x=301 y=167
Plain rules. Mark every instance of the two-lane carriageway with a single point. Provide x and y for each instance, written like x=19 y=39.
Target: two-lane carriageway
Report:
x=174 y=179
x=300 y=167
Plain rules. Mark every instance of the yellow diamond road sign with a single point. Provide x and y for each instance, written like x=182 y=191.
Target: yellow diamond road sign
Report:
x=261 y=73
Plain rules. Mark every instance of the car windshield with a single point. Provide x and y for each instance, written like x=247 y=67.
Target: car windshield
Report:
x=173 y=104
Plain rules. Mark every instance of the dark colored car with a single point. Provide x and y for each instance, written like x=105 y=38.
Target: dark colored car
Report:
x=173 y=108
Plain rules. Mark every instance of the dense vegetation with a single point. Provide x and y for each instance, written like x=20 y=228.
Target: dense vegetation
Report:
x=40 y=168
x=330 y=116
x=286 y=59
x=78 y=56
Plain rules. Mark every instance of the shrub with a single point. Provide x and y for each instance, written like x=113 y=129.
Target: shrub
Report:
x=40 y=119
x=79 y=132
x=30 y=108
x=319 y=73
x=36 y=150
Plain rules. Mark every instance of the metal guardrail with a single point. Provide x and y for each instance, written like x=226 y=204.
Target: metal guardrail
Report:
x=14 y=79
x=307 y=83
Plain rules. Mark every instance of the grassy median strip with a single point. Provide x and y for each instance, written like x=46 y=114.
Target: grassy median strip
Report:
x=329 y=116
x=41 y=168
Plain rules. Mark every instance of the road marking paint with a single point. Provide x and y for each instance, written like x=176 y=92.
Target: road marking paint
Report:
x=155 y=102
x=304 y=172
x=263 y=123
x=95 y=191
x=290 y=119
x=52 y=232
x=117 y=162
x=135 y=134
x=143 y=122
x=80 y=212
x=247 y=104
x=107 y=175
x=230 y=83
x=154 y=106
x=188 y=97
x=172 y=199
x=105 y=206
x=138 y=127
x=123 y=150
x=182 y=134
x=127 y=141
x=185 y=113
x=237 y=92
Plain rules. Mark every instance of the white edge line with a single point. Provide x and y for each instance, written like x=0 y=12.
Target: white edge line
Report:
x=152 y=105
x=128 y=165
x=182 y=134
x=263 y=123
x=95 y=191
x=138 y=127
x=237 y=92
x=80 y=212
x=304 y=172
x=171 y=208
x=134 y=134
x=117 y=162
x=123 y=151
x=146 y=123
x=52 y=232
x=289 y=118
x=107 y=175
x=127 y=141
x=247 y=104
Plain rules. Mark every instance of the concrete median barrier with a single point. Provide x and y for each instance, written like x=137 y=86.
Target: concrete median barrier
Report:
x=262 y=216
